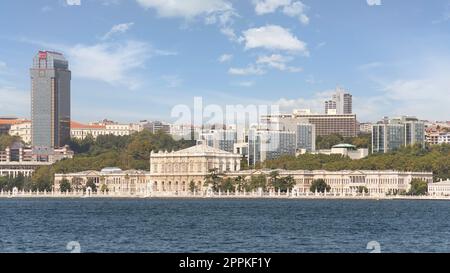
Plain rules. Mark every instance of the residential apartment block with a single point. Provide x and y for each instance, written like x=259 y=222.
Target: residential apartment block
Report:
x=345 y=125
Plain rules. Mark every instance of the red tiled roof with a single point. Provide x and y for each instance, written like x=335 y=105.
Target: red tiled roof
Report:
x=77 y=125
x=12 y=121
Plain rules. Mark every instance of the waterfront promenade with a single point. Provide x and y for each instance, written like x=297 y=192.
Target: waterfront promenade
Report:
x=206 y=195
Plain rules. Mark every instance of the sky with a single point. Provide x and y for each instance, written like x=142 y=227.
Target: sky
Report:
x=138 y=59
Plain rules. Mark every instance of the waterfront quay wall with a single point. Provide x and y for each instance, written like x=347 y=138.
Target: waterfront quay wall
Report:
x=216 y=195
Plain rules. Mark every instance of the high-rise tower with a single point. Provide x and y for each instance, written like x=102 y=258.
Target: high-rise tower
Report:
x=50 y=100
x=340 y=104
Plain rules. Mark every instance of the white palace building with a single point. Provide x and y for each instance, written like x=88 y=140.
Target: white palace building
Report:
x=173 y=174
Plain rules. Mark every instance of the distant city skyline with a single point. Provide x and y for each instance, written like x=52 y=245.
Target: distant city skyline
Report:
x=134 y=60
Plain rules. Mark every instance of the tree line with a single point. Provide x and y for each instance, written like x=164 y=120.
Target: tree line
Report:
x=327 y=142
x=125 y=152
x=133 y=152
x=220 y=182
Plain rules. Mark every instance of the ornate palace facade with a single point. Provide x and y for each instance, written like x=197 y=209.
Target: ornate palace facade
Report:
x=174 y=173
x=170 y=173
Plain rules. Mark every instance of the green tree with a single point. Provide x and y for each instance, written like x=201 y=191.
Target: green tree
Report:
x=435 y=159
x=65 y=186
x=228 y=184
x=43 y=178
x=215 y=179
x=362 y=189
x=244 y=164
x=256 y=182
x=274 y=179
x=125 y=152
x=3 y=183
x=90 y=183
x=418 y=187
x=326 y=142
x=77 y=184
x=18 y=182
x=240 y=183
x=320 y=186
x=104 y=188
x=361 y=141
x=6 y=141
x=193 y=187
x=288 y=183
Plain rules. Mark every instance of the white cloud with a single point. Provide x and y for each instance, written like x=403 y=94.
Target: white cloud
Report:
x=288 y=7
x=320 y=45
x=73 y=2
x=231 y=34
x=311 y=79
x=315 y=103
x=425 y=96
x=250 y=70
x=374 y=2
x=273 y=37
x=269 y=6
x=115 y=63
x=224 y=58
x=278 y=61
x=245 y=84
x=190 y=9
x=120 y=28
x=14 y=101
x=265 y=62
x=297 y=9
x=371 y=65
x=220 y=12
x=172 y=81
x=109 y=62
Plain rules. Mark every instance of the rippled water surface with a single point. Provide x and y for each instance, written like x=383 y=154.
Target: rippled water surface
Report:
x=184 y=225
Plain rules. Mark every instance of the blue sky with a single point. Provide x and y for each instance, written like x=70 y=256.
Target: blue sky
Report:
x=137 y=59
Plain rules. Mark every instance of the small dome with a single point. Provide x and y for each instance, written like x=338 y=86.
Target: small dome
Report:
x=344 y=145
x=111 y=170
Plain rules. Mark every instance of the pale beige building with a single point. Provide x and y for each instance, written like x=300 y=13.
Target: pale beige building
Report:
x=441 y=188
x=171 y=174
x=348 y=182
x=116 y=181
x=22 y=130
x=20 y=160
x=81 y=131
x=176 y=170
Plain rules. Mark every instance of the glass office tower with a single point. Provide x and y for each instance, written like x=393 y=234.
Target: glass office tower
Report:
x=50 y=101
x=268 y=145
x=392 y=134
